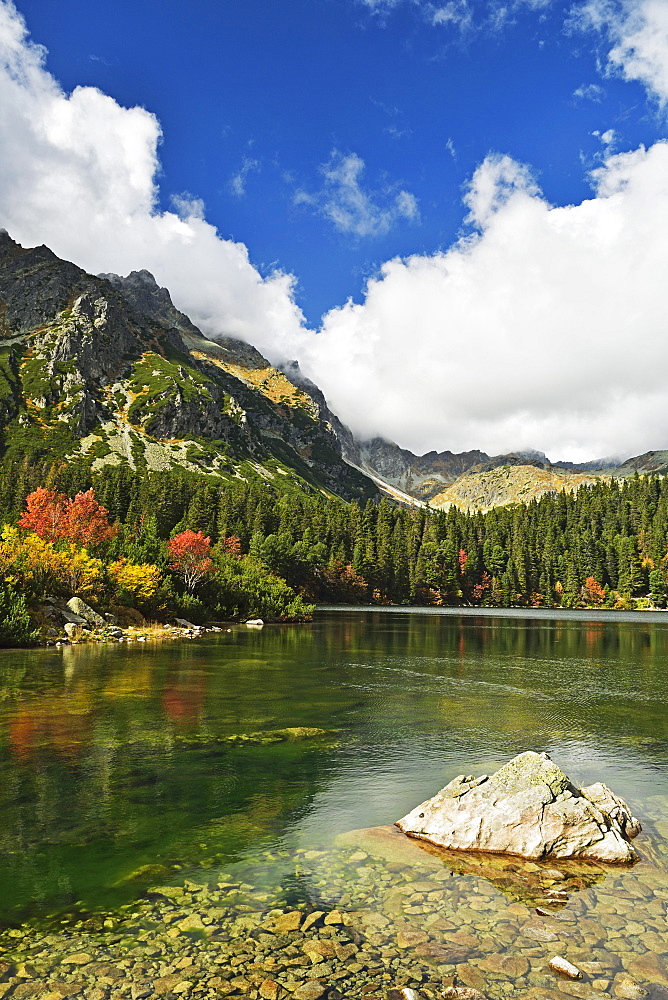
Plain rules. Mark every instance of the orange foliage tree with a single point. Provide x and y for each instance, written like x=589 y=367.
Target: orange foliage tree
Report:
x=54 y=517
x=593 y=591
x=191 y=552
x=44 y=514
x=232 y=546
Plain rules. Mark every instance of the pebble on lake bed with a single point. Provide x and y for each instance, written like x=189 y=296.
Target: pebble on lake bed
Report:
x=395 y=922
x=564 y=967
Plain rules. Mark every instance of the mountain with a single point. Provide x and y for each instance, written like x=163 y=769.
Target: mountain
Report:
x=425 y=476
x=469 y=479
x=106 y=370
x=651 y=461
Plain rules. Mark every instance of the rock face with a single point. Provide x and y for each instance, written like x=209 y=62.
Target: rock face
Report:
x=529 y=808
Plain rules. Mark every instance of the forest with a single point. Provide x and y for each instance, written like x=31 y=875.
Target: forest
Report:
x=174 y=543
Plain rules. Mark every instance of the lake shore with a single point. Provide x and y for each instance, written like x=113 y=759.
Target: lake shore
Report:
x=548 y=614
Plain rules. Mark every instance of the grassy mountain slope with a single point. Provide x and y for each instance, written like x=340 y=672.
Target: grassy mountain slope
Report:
x=508 y=484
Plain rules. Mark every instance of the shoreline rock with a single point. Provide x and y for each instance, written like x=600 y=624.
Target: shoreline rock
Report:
x=528 y=808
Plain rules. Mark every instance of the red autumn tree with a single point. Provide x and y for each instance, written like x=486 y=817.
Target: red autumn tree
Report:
x=44 y=514
x=88 y=521
x=192 y=557
x=233 y=546
x=54 y=517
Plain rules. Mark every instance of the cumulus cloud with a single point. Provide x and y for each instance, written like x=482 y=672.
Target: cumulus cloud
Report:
x=350 y=207
x=638 y=33
x=545 y=329
x=78 y=172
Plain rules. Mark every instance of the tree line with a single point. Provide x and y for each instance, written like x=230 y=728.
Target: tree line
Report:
x=604 y=545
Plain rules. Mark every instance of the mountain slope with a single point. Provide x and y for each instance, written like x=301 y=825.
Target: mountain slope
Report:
x=507 y=485
x=106 y=368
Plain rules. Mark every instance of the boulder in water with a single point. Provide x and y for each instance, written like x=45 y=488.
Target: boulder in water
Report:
x=530 y=808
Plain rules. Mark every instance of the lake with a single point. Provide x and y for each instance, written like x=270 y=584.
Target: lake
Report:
x=117 y=779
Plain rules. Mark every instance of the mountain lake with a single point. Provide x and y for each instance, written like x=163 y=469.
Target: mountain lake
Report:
x=143 y=852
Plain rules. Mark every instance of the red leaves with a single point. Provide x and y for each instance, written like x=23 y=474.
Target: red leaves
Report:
x=233 y=546
x=44 y=514
x=192 y=556
x=54 y=517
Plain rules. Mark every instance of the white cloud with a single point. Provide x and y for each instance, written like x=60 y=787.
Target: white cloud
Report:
x=78 y=172
x=463 y=15
x=352 y=209
x=638 y=33
x=590 y=92
x=455 y=12
x=547 y=329
x=495 y=182
x=238 y=180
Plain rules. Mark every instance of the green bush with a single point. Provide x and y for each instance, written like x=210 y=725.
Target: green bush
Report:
x=16 y=628
x=191 y=608
x=246 y=588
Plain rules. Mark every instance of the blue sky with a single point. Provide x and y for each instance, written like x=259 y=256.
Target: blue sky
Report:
x=453 y=213
x=265 y=92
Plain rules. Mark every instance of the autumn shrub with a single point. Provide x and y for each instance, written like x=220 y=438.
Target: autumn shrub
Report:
x=133 y=581
x=36 y=567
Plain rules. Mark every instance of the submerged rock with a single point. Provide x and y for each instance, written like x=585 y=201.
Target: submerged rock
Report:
x=529 y=807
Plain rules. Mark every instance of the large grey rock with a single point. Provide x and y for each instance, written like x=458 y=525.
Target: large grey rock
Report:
x=530 y=808
x=83 y=610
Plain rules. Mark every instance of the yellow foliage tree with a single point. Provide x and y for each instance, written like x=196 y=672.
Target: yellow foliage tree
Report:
x=140 y=580
x=36 y=567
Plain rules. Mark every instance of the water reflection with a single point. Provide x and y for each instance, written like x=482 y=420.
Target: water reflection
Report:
x=111 y=758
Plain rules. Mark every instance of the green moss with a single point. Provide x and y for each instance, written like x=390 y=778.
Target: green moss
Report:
x=33 y=443
x=157 y=381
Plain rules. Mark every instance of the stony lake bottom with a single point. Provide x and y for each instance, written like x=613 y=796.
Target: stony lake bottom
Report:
x=145 y=853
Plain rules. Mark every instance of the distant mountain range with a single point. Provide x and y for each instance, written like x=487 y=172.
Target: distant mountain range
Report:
x=105 y=369
x=467 y=478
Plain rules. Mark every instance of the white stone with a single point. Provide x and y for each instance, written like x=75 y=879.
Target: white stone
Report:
x=564 y=967
x=529 y=808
